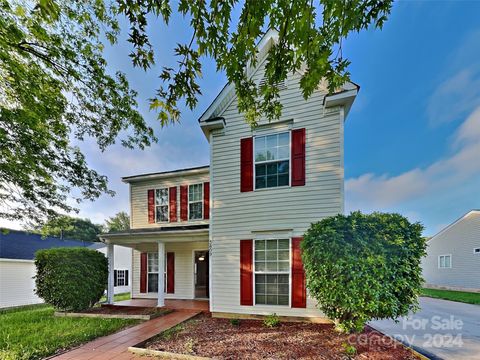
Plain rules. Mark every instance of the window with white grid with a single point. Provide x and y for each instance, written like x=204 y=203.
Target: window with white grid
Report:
x=195 y=202
x=272 y=272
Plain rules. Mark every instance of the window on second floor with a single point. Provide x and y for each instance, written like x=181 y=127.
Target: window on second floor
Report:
x=445 y=261
x=161 y=205
x=272 y=160
x=195 y=202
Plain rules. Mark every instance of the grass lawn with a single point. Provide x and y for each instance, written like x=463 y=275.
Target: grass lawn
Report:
x=460 y=296
x=32 y=332
x=117 y=297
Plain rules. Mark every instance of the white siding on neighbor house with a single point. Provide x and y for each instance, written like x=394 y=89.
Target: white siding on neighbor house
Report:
x=458 y=240
x=184 y=288
x=285 y=212
x=122 y=258
x=139 y=198
x=17 y=286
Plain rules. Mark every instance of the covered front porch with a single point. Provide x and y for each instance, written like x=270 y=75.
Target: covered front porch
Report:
x=173 y=259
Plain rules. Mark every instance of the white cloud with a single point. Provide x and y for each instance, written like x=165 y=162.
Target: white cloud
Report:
x=458 y=93
x=384 y=192
x=455 y=97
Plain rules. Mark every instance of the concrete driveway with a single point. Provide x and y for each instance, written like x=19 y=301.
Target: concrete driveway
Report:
x=441 y=329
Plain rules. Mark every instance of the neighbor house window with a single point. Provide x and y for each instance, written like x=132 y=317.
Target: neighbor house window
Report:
x=195 y=202
x=272 y=160
x=121 y=277
x=445 y=261
x=476 y=251
x=272 y=272
x=161 y=204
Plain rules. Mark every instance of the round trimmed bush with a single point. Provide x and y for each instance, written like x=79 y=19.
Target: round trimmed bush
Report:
x=361 y=267
x=71 y=279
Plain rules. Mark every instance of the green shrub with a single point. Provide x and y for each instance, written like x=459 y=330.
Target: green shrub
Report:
x=349 y=350
x=235 y=322
x=271 y=321
x=362 y=267
x=71 y=279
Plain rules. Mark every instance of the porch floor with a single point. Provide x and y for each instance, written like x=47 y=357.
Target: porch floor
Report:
x=198 y=305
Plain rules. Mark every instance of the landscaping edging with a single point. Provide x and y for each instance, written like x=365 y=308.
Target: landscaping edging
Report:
x=112 y=316
x=404 y=344
x=164 y=354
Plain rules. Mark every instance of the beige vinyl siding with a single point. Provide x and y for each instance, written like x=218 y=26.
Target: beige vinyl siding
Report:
x=139 y=199
x=183 y=269
x=457 y=240
x=17 y=286
x=284 y=212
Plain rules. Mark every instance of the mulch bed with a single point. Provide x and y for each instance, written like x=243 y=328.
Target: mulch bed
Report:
x=219 y=339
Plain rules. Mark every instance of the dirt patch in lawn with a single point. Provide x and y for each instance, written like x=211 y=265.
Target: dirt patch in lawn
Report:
x=219 y=339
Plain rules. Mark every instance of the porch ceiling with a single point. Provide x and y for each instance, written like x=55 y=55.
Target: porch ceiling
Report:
x=166 y=234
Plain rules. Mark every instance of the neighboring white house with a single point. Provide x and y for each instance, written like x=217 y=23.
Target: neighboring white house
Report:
x=453 y=255
x=17 y=269
x=122 y=266
x=231 y=231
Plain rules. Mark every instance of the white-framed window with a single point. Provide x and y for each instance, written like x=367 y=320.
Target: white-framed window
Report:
x=444 y=261
x=161 y=205
x=476 y=251
x=152 y=272
x=272 y=160
x=195 y=202
x=121 y=277
x=272 y=271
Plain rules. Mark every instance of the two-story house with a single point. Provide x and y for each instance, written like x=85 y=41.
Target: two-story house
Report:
x=231 y=231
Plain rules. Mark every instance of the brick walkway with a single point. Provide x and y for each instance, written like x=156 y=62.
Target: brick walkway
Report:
x=115 y=346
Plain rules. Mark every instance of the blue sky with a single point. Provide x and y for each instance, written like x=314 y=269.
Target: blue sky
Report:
x=412 y=139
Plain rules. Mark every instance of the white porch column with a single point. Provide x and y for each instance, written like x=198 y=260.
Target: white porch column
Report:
x=111 y=262
x=161 y=269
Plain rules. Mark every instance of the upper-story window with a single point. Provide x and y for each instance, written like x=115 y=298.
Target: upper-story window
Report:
x=161 y=205
x=272 y=160
x=195 y=202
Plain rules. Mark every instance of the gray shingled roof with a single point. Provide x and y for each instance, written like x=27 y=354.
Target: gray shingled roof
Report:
x=16 y=244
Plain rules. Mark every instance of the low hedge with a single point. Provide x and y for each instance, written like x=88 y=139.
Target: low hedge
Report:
x=71 y=279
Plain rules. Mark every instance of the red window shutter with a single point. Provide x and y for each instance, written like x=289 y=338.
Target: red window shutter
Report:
x=151 y=206
x=184 y=202
x=246 y=164
x=299 y=292
x=246 y=272
x=173 y=203
x=170 y=273
x=298 y=157
x=206 y=200
x=143 y=272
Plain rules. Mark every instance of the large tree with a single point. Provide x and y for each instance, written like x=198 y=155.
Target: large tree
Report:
x=119 y=222
x=55 y=87
x=68 y=227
